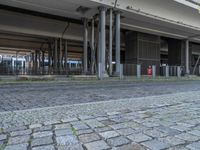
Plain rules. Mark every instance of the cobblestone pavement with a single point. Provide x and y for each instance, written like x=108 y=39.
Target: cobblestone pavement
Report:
x=30 y=95
x=170 y=121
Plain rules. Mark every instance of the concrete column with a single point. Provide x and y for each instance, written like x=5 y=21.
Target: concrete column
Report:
x=187 y=57
x=49 y=59
x=102 y=40
x=65 y=60
x=110 y=42
x=92 y=48
x=36 y=61
x=117 y=42
x=56 y=56
x=60 y=56
x=85 y=57
x=43 y=61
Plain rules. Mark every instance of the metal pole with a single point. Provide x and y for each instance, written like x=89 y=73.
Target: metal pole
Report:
x=102 y=38
x=110 y=42
x=85 y=46
x=187 y=58
x=117 y=43
x=121 y=71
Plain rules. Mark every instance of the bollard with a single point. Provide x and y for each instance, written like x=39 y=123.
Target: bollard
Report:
x=100 y=71
x=167 y=71
x=121 y=72
x=153 y=71
x=178 y=71
x=138 y=71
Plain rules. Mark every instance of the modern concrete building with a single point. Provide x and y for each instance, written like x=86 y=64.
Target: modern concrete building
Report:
x=100 y=35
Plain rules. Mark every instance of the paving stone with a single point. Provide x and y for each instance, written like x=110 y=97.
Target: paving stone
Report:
x=18 y=139
x=15 y=129
x=187 y=137
x=125 y=132
x=194 y=146
x=33 y=126
x=139 y=137
x=103 y=129
x=81 y=126
x=68 y=140
x=109 y=134
x=22 y=132
x=42 y=134
x=155 y=145
x=66 y=120
x=119 y=126
x=118 y=141
x=85 y=117
x=155 y=133
x=62 y=126
x=47 y=147
x=97 y=145
x=43 y=128
x=3 y=137
x=86 y=138
x=129 y=147
x=50 y=122
x=172 y=140
x=80 y=132
x=71 y=147
x=113 y=113
x=180 y=128
x=42 y=141
x=93 y=123
x=168 y=131
x=62 y=132
x=195 y=132
x=108 y=122
x=17 y=147
x=101 y=118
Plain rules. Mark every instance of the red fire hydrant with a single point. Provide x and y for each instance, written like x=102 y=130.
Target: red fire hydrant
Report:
x=149 y=71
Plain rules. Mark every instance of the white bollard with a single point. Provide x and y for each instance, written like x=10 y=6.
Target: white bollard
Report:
x=153 y=71
x=121 y=72
x=167 y=71
x=138 y=71
x=178 y=71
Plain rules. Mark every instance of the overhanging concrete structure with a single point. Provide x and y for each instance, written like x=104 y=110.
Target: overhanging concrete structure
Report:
x=64 y=20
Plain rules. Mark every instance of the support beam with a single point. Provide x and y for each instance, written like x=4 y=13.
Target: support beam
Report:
x=85 y=51
x=117 y=17
x=187 y=57
x=102 y=40
x=110 y=42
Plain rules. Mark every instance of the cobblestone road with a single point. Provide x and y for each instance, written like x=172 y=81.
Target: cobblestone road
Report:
x=170 y=121
x=27 y=96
